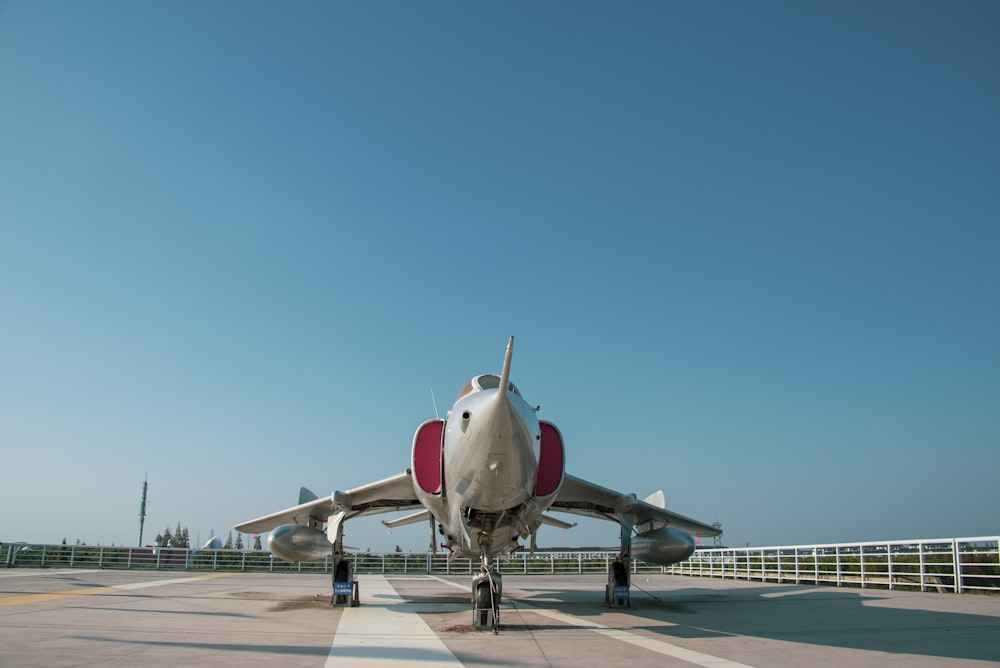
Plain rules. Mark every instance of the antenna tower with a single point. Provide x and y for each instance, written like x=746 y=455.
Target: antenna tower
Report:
x=142 y=507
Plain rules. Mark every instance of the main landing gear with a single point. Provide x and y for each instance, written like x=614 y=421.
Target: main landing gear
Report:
x=345 y=587
x=617 y=592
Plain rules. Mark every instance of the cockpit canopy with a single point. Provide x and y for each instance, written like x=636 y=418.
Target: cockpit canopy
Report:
x=487 y=381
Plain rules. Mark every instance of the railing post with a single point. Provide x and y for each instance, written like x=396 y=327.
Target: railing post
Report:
x=923 y=569
x=840 y=573
x=998 y=551
x=957 y=558
x=100 y=557
x=888 y=550
x=861 y=555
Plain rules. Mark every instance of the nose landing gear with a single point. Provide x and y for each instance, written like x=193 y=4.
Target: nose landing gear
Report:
x=487 y=588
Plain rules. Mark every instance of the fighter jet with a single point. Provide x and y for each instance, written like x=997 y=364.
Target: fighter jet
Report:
x=485 y=477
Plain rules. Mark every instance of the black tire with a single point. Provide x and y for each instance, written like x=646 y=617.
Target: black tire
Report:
x=618 y=574
x=483 y=603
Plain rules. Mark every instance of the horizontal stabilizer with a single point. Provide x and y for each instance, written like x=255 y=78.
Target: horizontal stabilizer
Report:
x=409 y=519
x=553 y=522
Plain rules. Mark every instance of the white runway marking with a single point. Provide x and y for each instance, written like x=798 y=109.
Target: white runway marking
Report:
x=160 y=583
x=385 y=631
x=31 y=573
x=790 y=592
x=652 y=644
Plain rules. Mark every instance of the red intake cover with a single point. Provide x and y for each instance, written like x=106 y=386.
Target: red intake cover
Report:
x=428 y=444
x=551 y=460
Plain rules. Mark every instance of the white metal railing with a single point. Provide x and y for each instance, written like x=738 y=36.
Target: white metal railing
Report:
x=947 y=565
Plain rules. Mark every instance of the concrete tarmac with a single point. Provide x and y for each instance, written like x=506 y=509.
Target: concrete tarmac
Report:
x=130 y=618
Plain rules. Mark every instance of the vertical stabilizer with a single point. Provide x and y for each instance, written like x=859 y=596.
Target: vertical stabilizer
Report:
x=657 y=499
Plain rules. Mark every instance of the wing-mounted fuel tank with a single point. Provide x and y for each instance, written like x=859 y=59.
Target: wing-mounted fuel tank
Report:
x=295 y=542
x=551 y=461
x=663 y=546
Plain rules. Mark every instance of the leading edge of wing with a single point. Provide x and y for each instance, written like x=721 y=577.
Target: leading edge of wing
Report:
x=581 y=497
x=383 y=496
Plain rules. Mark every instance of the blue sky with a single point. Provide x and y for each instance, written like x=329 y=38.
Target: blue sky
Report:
x=750 y=253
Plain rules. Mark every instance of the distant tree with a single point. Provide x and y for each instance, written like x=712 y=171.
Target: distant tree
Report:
x=228 y=545
x=239 y=541
x=256 y=541
x=167 y=537
x=64 y=540
x=186 y=539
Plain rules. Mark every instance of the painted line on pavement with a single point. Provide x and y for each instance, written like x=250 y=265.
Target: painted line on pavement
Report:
x=88 y=591
x=385 y=631
x=36 y=572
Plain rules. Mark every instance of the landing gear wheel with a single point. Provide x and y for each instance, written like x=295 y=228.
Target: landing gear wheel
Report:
x=486 y=593
x=616 y=593
x=342 y=573
x=483 y=605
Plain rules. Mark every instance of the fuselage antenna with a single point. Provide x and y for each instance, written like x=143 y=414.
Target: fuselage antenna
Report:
x=434 y=401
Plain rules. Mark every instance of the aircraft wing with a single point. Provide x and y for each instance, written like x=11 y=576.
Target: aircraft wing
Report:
x=585 y=498
x=395 y=493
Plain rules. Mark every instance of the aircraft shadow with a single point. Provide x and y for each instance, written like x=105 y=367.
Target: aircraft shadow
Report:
x=344 y=653
x=844 y=618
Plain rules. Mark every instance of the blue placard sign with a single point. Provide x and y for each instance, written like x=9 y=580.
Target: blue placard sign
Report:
x=621 y=591
x=343 y=588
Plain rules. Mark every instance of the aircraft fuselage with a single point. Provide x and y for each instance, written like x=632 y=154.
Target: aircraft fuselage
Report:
x=490 y=453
